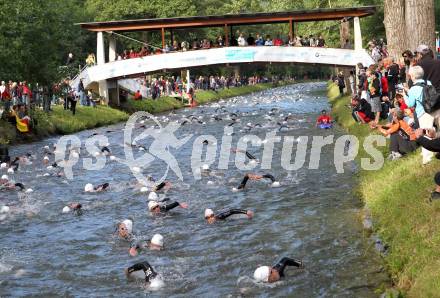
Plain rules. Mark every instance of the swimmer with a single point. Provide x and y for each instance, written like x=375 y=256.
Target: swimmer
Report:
x=165 y=185
x=157 y=208
x=250 y=156
x=105 y=150
x=75 y=207
x=90 y=188
x=149 y=274
x=212 y=218
x=156 y=243
x=274 y=273
x=45 y=159
x=125 y=229
x=257 y=177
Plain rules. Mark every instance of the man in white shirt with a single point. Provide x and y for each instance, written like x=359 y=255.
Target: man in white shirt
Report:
x=241 y=40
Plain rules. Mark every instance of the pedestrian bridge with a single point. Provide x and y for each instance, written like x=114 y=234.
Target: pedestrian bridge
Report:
x=227 y=55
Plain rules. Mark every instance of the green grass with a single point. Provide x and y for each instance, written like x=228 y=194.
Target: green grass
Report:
x=397 y=197
x=62 y=122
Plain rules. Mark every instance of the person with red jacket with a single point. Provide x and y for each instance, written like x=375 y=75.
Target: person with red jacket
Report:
x=384 y=82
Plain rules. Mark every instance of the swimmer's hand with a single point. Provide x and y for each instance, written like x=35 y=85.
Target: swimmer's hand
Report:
x=249 y=214
x=183 y=205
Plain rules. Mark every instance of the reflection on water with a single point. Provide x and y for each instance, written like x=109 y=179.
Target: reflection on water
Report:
x=312 y=216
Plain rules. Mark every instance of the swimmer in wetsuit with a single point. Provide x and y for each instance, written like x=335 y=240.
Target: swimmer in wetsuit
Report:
x=156 y=243
x=211 y=217
x=274 y=273
x=249 y=155
x=156 y=208
x=148 y=271
x=165 y=185
x=257 y=177
x=125 y=229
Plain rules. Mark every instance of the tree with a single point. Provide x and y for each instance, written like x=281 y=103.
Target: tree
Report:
x=395 y=26
x=420 y=23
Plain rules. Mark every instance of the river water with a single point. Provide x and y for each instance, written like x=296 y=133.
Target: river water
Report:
x=313 y=216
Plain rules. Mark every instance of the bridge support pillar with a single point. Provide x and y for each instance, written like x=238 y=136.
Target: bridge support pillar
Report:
x=357 y=34
x=103 y=90
x=112 y=49
x=100 y=53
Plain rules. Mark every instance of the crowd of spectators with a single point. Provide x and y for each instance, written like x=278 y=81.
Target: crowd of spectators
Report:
x=241 y=41
x=175 y=86
x=397 y=93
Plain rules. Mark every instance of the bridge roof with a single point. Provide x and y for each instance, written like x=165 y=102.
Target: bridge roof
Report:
x=231 y=19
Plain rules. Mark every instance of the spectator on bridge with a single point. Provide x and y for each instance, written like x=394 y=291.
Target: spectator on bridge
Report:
x=259 y=40
x=312 y=41
x=250 y=40
x=220 y=42
x=278 y=41
x=241 y=40
x=268 y=41
x=347 y=44
x=321 y=42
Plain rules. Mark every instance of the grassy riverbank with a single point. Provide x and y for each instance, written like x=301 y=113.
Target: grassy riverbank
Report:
x=397 y=197
x=170 y=103
x=62 y=122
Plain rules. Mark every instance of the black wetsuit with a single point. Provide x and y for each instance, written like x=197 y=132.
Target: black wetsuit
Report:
x=281 y=265
x=105 y=149
x=160 y=186
x=250 y=156
x=225 y=214
x=246 y=178
x=168 y=207
x=101 y=187
x=146 y=267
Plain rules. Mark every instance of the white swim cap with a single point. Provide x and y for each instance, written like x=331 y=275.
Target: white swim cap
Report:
x=136 y=169
x=5 y=177
x=66 y=209
x=205 y=167
x=156 y=283
x=11 y=171
x=208 y=212
x=3 y=165
x=96 y=153
x=29 y=190
x=75 y=154
x=152 y=205
x=144 y=189
x=234 y=189
x=152 y=196
x=210 y=182
x=275 y=184
x=112 y=157
x=262 y=274
x=128 y=224
x=157 y=240
x=49 y=167
x=88 y=187
x=46 y=147
x=4 y=209
x=46 y=157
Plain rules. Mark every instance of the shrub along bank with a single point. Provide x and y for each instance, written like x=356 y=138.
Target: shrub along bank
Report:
x=397 y=198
